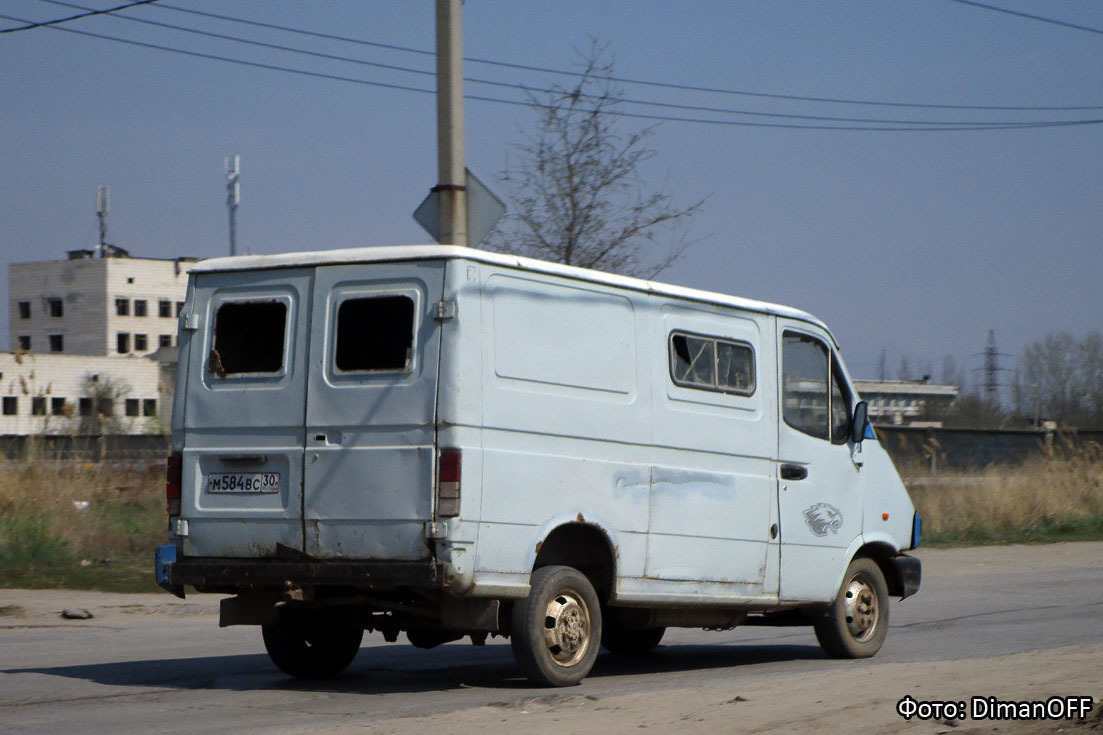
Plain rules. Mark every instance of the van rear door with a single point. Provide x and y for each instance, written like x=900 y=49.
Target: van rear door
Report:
x=243 y=418
x=371 y=410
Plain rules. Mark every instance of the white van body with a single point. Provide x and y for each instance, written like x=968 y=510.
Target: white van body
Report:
x=400 y=438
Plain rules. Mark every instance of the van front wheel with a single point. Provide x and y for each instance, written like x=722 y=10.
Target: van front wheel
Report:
x=556 y=630
x=311 y=647
x=858 y=621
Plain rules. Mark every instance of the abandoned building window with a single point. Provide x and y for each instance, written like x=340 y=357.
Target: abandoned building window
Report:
x=122 y=342
x=38 y=405
x=131 y=406
x=84 y=406
x=55 y=307
x=711 y=363
x=804 y=384
x=105 y=406
x=375 y=333
x=11 y=405
x=164 y=308
x=57 y=343
x=140 y=307
x=248 y=337
x=149 y=406
x=24 y=309
x=179 y=307
x=122 y=307
x=141 y=343
x=24 y=342
x=165 y=340
x=57 y=406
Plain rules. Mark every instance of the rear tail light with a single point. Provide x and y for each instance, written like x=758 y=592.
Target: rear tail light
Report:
x=448 y=484
x=174 y=478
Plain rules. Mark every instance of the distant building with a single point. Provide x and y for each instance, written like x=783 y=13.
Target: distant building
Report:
x=906 y=402
x=96 y=306
x=93 y=343
x=77 y=394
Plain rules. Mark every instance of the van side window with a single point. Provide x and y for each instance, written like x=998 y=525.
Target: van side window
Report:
x=375 y=333
x=248 y=337
x=804 y=384
x=711 y=363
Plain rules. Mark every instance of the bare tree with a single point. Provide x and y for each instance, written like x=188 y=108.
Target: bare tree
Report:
x=577 y=194
x=105 y=397
x=1062 y=377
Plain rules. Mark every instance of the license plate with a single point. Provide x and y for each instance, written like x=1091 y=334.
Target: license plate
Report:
x=244 y=482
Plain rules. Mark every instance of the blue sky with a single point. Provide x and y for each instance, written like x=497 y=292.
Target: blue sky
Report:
x=916 y=243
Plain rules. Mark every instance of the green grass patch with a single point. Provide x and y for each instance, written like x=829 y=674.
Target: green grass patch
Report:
x=1047 y=531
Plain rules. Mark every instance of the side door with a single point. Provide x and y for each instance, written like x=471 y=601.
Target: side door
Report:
x=371 y=410
x=713 y=493
x=819 y=482
x=243 y=412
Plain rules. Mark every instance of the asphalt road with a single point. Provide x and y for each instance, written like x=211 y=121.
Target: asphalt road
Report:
x=149 y=663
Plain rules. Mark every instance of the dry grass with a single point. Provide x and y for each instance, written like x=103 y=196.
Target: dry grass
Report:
x=1050 y=498
x=60 y=524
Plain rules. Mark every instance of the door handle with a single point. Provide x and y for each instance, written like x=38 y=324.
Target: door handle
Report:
x=793 y=472
x=243 y=458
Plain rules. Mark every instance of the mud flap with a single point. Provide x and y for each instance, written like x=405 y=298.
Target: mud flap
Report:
x=163 y=559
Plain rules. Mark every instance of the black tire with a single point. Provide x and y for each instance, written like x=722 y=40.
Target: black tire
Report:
x=858 y=621
x=555 y=631
x=630 y=642
x=311 y=646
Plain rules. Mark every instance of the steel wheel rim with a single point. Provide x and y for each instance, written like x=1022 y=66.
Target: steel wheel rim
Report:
x=567 y=628
x=862 y=612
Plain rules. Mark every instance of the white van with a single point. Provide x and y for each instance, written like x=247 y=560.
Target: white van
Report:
x=447 y=442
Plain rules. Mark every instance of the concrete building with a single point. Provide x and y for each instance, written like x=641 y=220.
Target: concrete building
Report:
x=906 y=402
x=93 y=344
x=77 y=394
x=96 y=306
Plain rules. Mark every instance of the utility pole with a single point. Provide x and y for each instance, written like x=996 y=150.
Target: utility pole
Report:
x=101 y=214
x=233 y=196
x=450 y=155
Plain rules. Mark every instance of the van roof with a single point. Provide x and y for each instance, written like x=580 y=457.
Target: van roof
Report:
x=390 y=253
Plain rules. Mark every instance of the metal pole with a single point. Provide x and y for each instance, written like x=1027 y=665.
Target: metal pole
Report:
x=450 y=158
x=233 y=196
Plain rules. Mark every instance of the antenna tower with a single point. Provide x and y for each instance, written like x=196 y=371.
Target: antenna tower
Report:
x=101 y=214
x=233 y=196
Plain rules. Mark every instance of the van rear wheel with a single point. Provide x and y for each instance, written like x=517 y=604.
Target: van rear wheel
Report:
x=556 y=630
x=858 y=621
x=311 y=646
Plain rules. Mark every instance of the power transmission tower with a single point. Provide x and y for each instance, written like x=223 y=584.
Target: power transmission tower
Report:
x=233 y=196
x=991 y=368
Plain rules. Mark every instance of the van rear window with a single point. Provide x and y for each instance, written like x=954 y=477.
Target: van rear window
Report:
x=375 y=333
x=248 y=337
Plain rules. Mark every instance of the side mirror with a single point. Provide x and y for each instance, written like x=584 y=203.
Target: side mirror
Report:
x=858 y=425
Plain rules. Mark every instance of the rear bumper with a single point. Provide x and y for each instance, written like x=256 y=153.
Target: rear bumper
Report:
x=253 y=573
x=909 y=573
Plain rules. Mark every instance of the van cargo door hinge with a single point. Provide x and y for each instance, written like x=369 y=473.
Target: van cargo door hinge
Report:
x=446 y=310
x=189 y=320
x=435 y=530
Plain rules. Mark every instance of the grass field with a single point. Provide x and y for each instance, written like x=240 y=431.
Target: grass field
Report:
x=87 y=527
x=79 y=526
